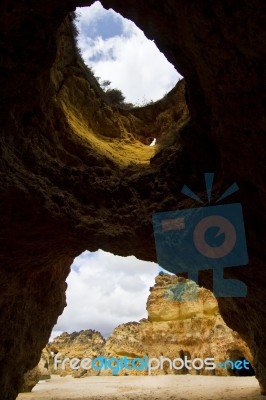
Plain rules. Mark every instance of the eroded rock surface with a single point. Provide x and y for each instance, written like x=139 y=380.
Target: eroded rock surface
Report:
x=176 y=329
x=173 y=329
x=83 y=344
x=76 y=173
x=30 y=379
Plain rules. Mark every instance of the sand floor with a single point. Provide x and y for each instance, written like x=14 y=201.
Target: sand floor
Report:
x=166 y=387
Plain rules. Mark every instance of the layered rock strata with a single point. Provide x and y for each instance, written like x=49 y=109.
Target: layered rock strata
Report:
x=172 y=330
x=177 y=329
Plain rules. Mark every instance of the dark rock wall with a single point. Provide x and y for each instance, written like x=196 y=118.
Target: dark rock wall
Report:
x=75 y=171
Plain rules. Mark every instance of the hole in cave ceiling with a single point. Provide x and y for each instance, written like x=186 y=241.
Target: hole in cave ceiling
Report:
x=121 y=56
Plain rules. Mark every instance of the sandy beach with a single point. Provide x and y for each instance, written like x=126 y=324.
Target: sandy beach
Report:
x=170 y=387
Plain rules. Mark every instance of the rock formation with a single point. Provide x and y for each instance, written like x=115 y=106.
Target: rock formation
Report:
x=30 y=379
x=76 y=172
x=43 y=365
x=88 y=343
x=173 y=329
x=39 y=373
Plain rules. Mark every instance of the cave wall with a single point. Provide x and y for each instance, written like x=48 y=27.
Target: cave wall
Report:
x=76 y=172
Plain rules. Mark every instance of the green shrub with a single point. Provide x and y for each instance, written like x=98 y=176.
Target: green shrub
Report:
x=115 y=96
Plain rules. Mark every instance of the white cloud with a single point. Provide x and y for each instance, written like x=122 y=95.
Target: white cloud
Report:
x=104 y=291
x=130 y=61
x=89 y=15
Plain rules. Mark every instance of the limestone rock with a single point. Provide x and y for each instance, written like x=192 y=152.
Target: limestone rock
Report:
x=30 y=379
x=38 y=373
x=174 y=329
x=83 y=344
x=44 y=364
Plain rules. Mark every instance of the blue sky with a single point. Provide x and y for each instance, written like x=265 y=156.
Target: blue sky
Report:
x=118 y=51
x=106 y=24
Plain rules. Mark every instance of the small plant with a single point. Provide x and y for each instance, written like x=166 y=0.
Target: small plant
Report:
x=103 y=87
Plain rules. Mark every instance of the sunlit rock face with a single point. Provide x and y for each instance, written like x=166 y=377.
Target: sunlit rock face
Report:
x=83 y=344
x=173 y=329
x=177 y=329
x=76 y=172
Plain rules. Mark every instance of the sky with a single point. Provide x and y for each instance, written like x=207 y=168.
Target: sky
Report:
x=118 y=51
x=104 y=291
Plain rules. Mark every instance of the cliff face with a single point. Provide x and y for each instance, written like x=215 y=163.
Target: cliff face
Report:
x=175 y=329
x=84 y=344
x=76 y=173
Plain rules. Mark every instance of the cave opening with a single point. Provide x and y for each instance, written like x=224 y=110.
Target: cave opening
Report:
x=183 y=354
x=246 y=372
x=245 y=368
x=129 y=67
x=104 y=291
